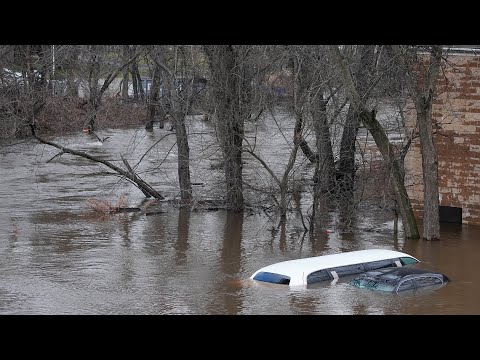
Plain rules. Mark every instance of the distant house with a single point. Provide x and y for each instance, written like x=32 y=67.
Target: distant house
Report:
x=146 y=84
x=456 y=115
x=113 y=90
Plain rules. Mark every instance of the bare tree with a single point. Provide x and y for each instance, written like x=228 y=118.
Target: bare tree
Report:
x=362 y=69
x=153 y=99
x=24 y=73
x=310 y=101
x=387 y=150
x=138 y=91
x=238 y=89
x=178 y=100
x=125 y=82
x=128 y=173
x=231 y=83
x=313 y=107
x=99 y=66
x=422 y=93
x=65 y=60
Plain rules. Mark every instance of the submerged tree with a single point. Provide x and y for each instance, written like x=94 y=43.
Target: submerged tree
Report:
x=25 y=72
x=388 y=151
x=238 y=80
x=362 y=67
x=178 y=103
x=420 y=78
x=154 y=108
x=310 y=102
x=102 y=64
x=231 y=86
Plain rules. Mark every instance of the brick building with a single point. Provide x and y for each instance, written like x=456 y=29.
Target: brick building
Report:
x=456 y=116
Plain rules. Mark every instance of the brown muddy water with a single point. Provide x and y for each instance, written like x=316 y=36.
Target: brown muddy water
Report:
x=58 y=257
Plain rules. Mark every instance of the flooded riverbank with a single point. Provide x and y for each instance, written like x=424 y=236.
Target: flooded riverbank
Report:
x=58 y=258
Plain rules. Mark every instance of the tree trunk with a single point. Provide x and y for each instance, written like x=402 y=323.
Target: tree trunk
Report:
x=183 y=157
x=138 y=92
x=233 y=159
x=422 y=96
x=311 y=156
x=431 y=216
x=297 y=136
x=228 y=92
x=346 y=164
x=309 y=99
x=153 y=104
x=139 y=82
x=93 y=100
x=397 y=173
x=134 y=82
x=431 y=204
x=124 y=85
x=385 y=147
x=324 y=178
x=72 y=83
x=178 y=112
x=126 y=56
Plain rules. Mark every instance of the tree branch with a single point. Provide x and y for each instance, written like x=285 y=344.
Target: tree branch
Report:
x=142 y=185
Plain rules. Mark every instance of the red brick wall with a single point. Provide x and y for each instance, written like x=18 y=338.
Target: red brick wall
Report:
x=457 y=112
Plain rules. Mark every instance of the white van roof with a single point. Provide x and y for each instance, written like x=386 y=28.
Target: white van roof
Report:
x=298 y=270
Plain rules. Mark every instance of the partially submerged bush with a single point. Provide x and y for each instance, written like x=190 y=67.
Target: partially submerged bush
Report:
x=105 y=207
x=63 y=115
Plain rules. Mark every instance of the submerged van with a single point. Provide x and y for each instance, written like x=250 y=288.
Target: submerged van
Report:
x=301 y=272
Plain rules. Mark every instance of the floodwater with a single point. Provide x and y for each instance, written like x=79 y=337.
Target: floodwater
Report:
x=57 y=256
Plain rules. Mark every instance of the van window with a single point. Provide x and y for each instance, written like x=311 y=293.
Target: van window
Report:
x=408 y=260
x=318 y=276
x=348 y=270
x=428 y=281
x=380 y=264
x=272 y=278
x=406 y=285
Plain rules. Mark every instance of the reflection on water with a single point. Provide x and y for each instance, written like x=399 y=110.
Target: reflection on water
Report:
x=59 y=258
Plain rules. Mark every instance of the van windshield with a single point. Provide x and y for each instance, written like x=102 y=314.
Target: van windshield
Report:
x=366 y=283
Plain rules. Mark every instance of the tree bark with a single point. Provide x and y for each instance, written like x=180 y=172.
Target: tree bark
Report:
x=183 y=157
x=136 y=72
x=126 y=55
x=70 y=67
x=431 y=204
x=346 y=163
x=178 y=112
x=309 y=98
x=422 y=96
x=153 y=104
x=397 y=173
x=325 y=169
x=323 y=177
x=385 y=147
x=229 y=90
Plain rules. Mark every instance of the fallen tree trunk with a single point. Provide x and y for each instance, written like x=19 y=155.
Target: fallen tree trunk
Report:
x=130 y=174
